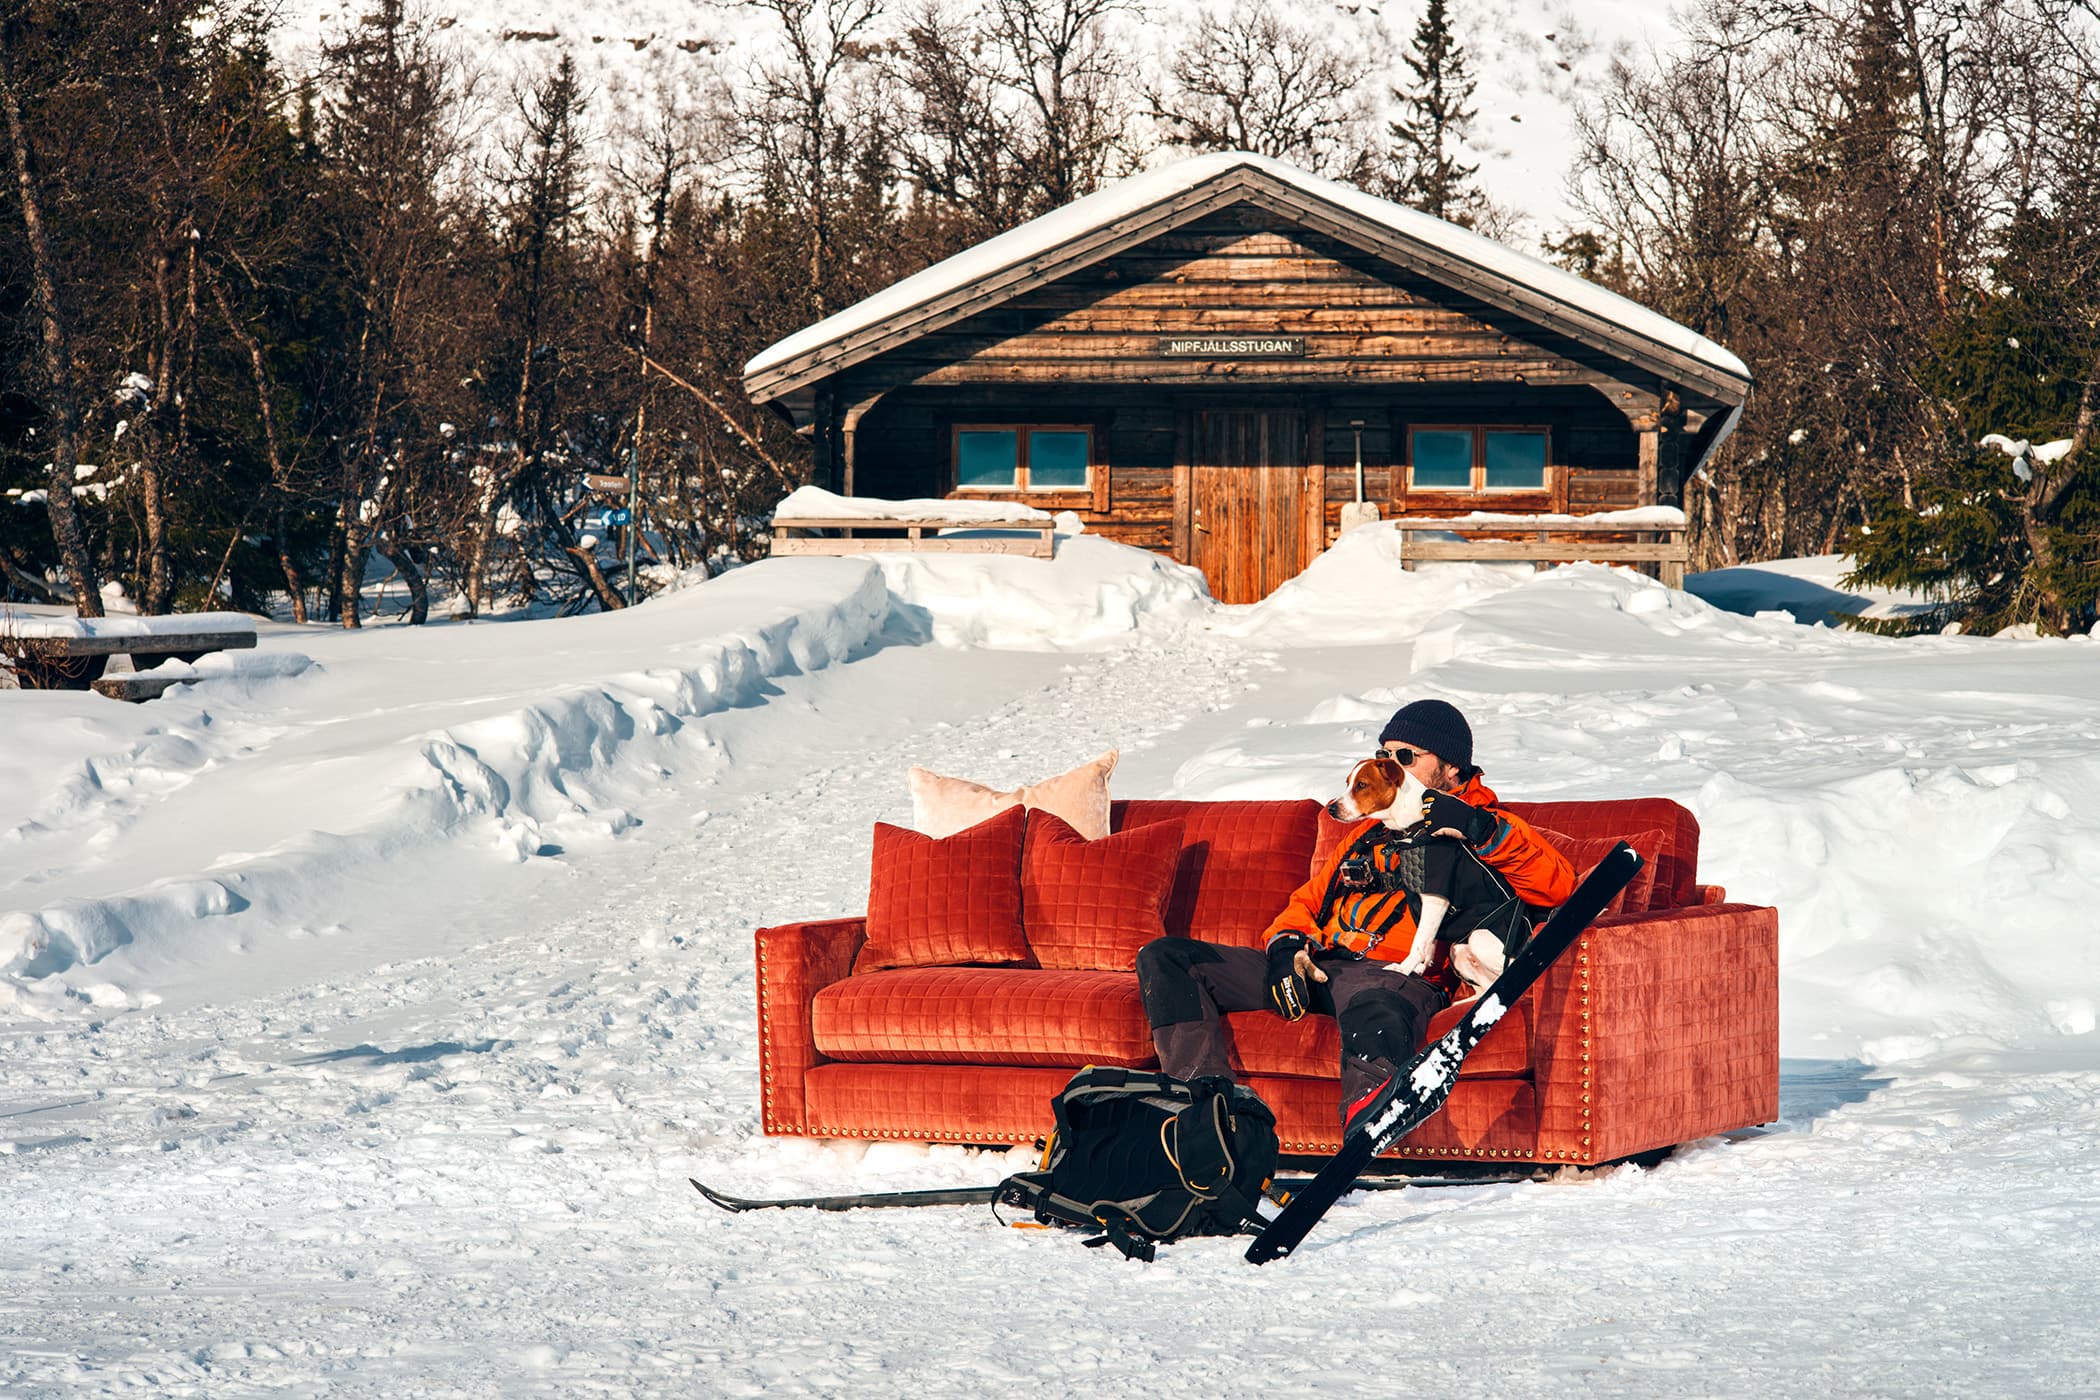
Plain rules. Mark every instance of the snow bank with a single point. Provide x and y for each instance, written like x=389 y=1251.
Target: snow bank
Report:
x=1092 y=592
x=280 y=776
x=1357 y=593
x=420 y=738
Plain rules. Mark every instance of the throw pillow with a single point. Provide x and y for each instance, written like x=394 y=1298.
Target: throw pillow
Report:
x=943 y=806
x=1093 y=904
x=934 y=902
x=1583 y=852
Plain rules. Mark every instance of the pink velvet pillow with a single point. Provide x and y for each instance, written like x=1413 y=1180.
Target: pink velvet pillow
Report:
x=1093 y=904
x=943 y=806
x=953 y=900
x=1583 y=852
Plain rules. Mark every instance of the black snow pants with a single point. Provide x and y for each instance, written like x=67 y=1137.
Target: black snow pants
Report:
x=1187 y=984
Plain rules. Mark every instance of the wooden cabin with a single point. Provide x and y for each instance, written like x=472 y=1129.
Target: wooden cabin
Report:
x=1211 y=359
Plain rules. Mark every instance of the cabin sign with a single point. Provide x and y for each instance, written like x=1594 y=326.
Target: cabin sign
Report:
x=1231 y=347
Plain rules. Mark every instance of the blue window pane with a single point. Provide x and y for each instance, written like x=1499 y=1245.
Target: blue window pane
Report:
x=1056 y=459
x=1443 y=458
x=985 y=458
x=1516 y=460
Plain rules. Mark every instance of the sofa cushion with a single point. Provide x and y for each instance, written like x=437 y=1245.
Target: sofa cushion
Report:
x=985 y=1016
x=943 y=806
x=1093 y=904
x=1583 y=852
x=1240 y=861
x=1676 y=862
x=1265 y=1043
x=952 y=900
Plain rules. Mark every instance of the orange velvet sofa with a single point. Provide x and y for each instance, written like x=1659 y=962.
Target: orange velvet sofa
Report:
x=1660 y=1026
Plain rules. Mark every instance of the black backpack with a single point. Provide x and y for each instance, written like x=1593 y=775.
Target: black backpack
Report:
x=1144 y=1157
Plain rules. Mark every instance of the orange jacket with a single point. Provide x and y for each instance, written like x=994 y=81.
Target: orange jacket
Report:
x=1538 y=873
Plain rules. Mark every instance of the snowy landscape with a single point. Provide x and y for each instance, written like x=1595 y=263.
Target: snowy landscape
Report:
x=365 y=1006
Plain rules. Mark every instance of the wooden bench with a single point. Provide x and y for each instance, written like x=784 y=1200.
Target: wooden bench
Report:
x=1668 y=549
x=853 y=535
x=111 y=665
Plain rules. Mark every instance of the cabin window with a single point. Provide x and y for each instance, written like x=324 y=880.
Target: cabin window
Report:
x=1477 y=459
x=1022 y=457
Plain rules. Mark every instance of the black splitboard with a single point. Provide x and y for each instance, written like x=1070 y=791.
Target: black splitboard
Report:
x=1419 y=1088
x=984 y=1195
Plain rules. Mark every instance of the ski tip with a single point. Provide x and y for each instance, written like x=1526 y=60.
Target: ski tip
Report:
x=728 y=1203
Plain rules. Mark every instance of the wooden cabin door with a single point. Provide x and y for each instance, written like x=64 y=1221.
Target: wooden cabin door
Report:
x=1249 y=507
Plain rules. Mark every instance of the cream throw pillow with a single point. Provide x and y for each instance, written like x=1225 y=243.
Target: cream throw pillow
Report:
x=943 y=806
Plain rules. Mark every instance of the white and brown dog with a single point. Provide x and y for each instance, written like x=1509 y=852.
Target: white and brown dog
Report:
x=1380 y=788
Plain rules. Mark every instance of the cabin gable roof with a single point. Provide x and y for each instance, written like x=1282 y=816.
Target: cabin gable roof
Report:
x=1144 y=207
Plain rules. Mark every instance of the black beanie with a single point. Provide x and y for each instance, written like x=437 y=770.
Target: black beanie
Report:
x=1433 y=725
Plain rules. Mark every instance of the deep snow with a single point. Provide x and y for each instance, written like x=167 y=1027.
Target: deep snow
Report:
x=362 y=1016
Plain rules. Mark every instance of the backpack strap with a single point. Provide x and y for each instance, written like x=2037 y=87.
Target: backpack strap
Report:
x=1128 y=1245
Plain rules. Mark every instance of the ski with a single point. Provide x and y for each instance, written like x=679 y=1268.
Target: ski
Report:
x=1419 y=1088
x=983 y=1195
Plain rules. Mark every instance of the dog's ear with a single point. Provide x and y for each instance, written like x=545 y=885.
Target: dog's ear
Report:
x=1390 y=767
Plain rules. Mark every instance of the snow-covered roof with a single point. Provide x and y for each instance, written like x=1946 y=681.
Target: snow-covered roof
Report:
x=1120 y=201
x=815 y=503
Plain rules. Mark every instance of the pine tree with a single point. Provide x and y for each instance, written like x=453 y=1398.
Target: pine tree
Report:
x=1429 y=130
x=1994 y=540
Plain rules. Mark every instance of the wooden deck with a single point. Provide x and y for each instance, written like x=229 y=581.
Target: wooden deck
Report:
x=1548 y=542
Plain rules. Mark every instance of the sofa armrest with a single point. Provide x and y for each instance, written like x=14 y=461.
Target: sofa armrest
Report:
x=795 y=962
x=1710 y=894
x=1659 y=1028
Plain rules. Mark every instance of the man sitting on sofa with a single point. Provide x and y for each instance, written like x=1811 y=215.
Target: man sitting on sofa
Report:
x=1309 y=962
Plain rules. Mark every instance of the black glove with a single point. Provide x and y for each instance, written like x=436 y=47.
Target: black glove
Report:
x=1287 y=991
x=1475 y=824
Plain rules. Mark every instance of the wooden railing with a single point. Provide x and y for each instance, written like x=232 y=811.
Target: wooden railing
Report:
x=1547 y=542
x=857 y=535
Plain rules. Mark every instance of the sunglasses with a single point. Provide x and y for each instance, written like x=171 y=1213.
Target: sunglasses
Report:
x=1404 y=757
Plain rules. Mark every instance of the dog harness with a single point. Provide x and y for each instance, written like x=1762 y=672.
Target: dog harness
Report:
x=1358 y=915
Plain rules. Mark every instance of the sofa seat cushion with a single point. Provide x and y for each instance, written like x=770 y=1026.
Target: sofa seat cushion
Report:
x=984 y=1016
x=1265 y=1043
